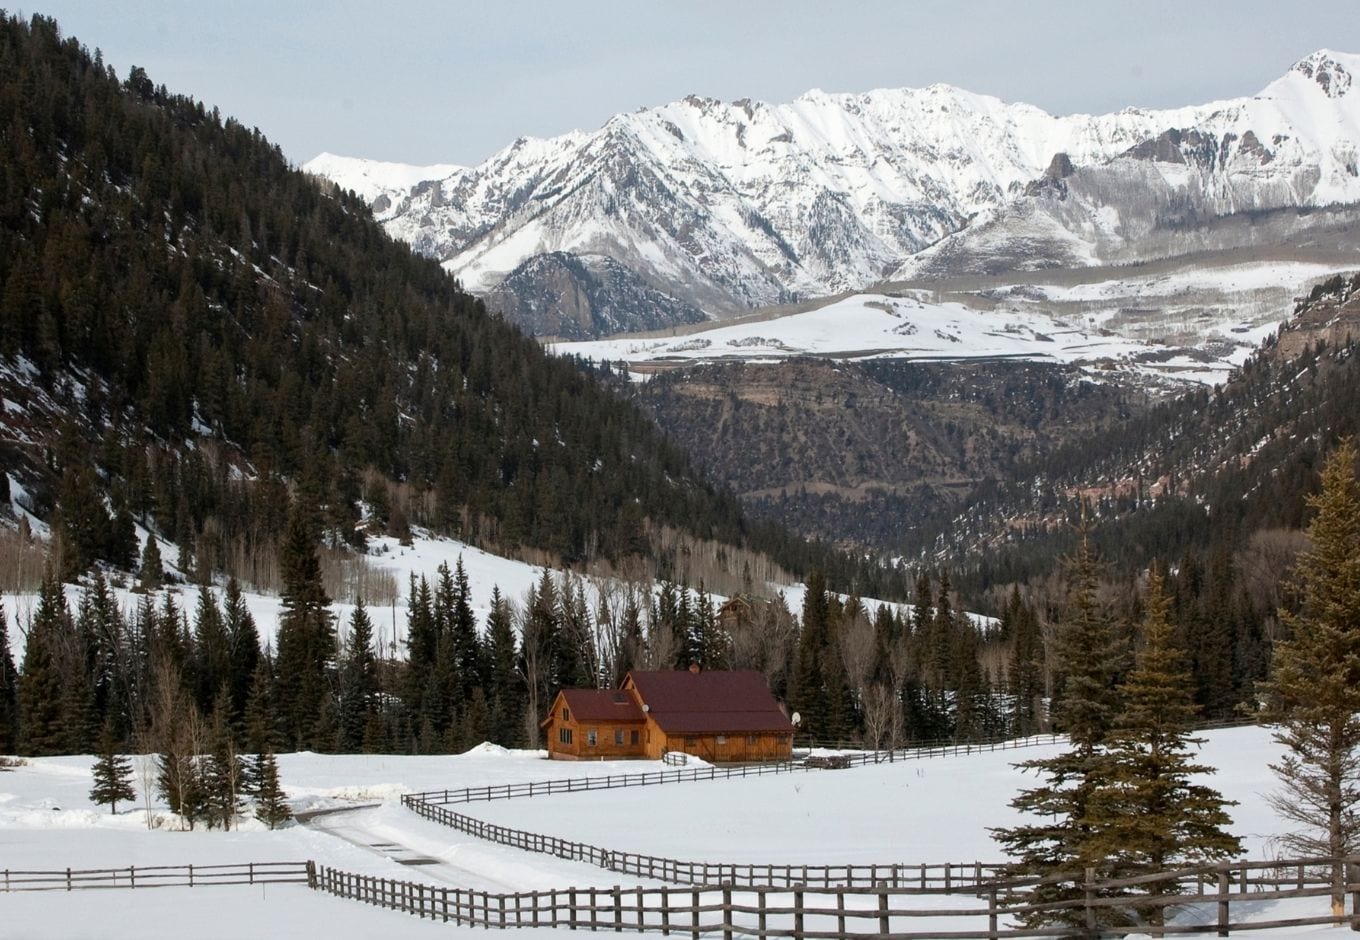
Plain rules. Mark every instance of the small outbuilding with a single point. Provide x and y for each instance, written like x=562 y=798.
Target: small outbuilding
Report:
x=722 y=716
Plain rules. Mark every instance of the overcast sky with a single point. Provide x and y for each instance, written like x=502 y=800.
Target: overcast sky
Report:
x=438 y=81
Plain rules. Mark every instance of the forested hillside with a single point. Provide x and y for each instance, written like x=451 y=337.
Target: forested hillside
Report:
x=193 y=330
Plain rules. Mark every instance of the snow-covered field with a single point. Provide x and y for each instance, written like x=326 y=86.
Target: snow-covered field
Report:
x=912 y=327
x=914 y=811
x=1128 y=321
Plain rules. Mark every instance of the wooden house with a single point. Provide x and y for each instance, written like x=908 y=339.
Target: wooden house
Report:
x=721 y=716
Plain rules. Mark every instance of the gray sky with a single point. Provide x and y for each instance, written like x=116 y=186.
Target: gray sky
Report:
x=427 y=81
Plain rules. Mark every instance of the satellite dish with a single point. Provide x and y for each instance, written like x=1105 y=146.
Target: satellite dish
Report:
x=797 y=719
x=646 y=707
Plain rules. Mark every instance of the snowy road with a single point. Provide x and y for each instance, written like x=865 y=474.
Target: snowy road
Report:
x=362 y=826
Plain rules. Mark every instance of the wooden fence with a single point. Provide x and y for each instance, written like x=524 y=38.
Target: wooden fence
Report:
x=158 y=876
x=510 y=791
x=946 y=876
x=1208 y=896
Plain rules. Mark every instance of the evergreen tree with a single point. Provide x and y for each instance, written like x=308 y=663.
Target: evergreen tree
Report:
x=358 y=682
x=243 y=649
x=223 y=777
x=42 y=724
x=807 y=685
x=306 y=651
x=212 y=653
x=1144 y=814
x=9 y=690
x=462 y=626
x=1315 y=681
x=506 y=700
x=1091 y=656
x=112 y=774
x=271 y=802
x=1025 y=673
x=151 y=574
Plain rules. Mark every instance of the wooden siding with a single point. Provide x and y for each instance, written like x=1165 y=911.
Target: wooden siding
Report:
x=718 y=748
x=579 y=747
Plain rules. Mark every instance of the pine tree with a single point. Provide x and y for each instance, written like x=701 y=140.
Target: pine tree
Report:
x=807 y=685
x=41 y=725
x=9 y=690
x=504 y=684
x=151 y=574
x=358 y=681
x=306 y=650
x=1144 y=813
x=1091 y=656
x=1025 y=673
x=1315 y=681
x=243 y=646
x=222 y=778
x=112 y=774
x=271 y=802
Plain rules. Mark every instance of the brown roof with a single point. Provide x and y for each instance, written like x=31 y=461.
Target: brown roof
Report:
x=601 y=705
x=683 y=702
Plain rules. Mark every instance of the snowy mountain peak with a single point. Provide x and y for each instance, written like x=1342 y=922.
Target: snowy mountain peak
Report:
x=1330 y=71
x=726 y=206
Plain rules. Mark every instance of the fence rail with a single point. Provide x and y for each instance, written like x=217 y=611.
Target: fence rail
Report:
x=510 y=791
x=946 y=876
x=156 y=876
x=1212 y=893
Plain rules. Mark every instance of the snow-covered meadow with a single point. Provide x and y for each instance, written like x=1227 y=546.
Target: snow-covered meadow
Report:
x=913 y=811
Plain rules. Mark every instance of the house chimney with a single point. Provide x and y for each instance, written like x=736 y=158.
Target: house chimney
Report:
x=694 y=668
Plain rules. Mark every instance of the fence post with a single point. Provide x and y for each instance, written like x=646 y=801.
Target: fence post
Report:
x=840 y=914
x=883 y=908
x=991 y=911
x=798 y=913
x=311 y=874
x=132 y=877
x=762 y=902
x=617 y=894
x=68 y=877
x=727 y=912
x=1353 y=876
x=1223 y=902
x=571 y=908
x=694 y=914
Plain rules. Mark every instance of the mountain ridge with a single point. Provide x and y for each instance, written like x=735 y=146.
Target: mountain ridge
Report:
x=730 y=206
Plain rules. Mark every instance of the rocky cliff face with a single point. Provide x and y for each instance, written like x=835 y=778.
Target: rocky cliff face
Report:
x=581 y=296
x=728 y=206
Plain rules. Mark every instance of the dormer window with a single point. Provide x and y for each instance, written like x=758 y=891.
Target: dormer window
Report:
x=566 y=713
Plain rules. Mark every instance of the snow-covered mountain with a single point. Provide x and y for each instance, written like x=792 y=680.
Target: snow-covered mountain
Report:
x=731 y=206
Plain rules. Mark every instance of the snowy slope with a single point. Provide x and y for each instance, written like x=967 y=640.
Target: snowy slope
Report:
x=744 y=204
x=914 y=811
x=1022 y=325
x=422 y=558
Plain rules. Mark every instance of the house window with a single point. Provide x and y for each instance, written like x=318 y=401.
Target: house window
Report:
x=691 y=742
x=591 y=737
x=633 y=738
x=618 y=735
x=564 y=735
x=722 y=739
x=753 y=739
x=566 y=713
